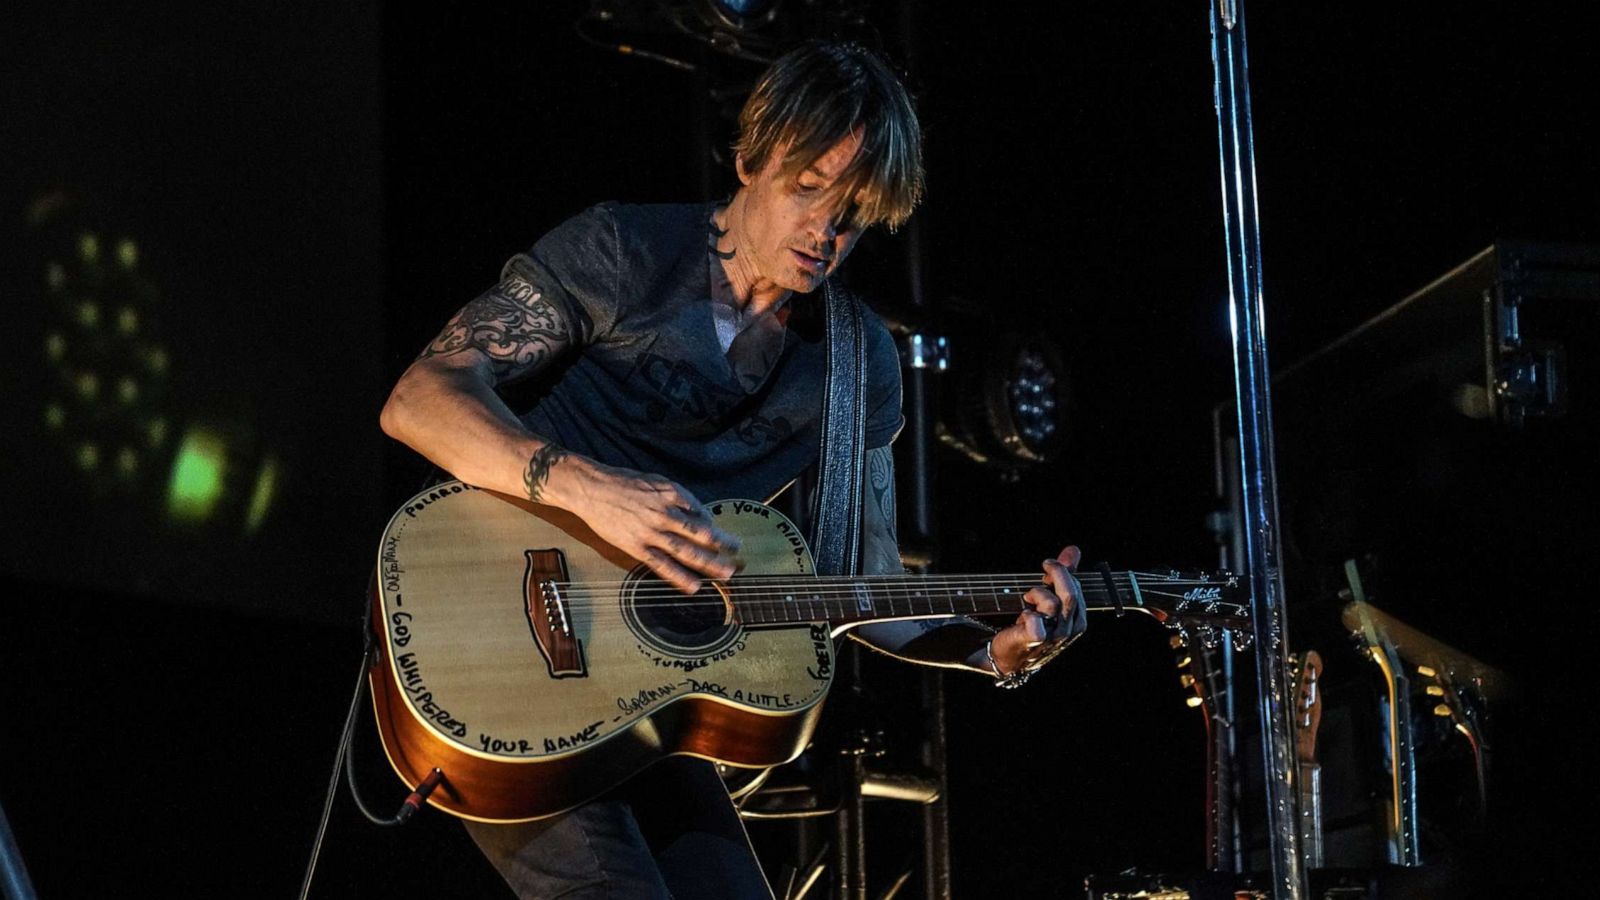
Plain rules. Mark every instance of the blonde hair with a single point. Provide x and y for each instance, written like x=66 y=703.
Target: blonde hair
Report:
x=813 y=97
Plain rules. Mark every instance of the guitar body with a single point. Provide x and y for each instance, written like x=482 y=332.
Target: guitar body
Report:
x=537 y=666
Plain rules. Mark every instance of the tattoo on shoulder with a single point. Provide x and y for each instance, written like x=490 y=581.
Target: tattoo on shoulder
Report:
x=511 y=324
x=538 y=471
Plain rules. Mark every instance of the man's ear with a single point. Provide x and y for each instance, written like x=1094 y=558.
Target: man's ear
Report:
x=745 y=175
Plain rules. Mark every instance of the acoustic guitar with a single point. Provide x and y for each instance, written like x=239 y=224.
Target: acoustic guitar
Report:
x=535 y=666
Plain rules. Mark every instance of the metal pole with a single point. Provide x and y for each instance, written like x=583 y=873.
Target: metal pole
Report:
x=1252 y=396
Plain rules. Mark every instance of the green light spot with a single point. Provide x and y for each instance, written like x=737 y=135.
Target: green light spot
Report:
x=55 y=417
x=55 y=346
x=156 y=432
x=196 y=485
x=127 y=320
x=127 y=389
x=88 y=314
x=127 y=253
x=55 y=276
x=127 y=461
x=88 y=385
x=88 y=457
x=88 y=247
x=261 y=498
x=157 y=359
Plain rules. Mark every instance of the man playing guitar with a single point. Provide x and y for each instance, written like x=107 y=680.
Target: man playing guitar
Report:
x=680 y=358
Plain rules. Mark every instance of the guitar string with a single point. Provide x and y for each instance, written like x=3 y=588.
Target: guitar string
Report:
x=790 y=588
x=580 y=596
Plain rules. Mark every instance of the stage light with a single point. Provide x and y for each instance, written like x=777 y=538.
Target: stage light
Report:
x=1005 y=402
x=195 y=487
x=261 y=498
x=757 y=31
x=106 y=375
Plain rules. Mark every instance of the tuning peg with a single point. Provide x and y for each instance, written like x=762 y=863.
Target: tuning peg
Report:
x=1435 y=690
x=1177 y=641
x=1194 y=702
x=1426 y=671
x=1442 y=710
x=1186 y=680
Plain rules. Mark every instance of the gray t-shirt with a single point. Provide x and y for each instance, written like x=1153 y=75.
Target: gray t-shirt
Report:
x=650 y=387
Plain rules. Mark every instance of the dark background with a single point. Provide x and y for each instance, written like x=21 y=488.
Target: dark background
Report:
x=315 y=190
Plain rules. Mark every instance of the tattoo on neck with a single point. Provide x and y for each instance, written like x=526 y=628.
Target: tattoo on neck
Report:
x=533 y=480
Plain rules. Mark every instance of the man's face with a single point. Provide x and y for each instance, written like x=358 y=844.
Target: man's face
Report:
x=798 y=226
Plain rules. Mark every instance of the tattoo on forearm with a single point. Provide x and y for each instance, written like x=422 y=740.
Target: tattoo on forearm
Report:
x=511 y=324
x=882 y=544
x=538 y=472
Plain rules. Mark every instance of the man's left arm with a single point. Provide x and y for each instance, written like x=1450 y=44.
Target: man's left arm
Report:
x=1053 y=611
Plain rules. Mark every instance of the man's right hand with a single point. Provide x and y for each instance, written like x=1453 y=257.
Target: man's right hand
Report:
x=651 y=518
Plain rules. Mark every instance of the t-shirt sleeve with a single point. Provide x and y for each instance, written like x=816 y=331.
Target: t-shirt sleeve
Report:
x=884 y=418
x=576 y=266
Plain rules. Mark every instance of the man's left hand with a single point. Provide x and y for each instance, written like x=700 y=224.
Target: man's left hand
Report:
x=1055 y=615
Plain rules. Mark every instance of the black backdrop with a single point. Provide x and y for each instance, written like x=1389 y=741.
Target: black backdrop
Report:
x=171 y=737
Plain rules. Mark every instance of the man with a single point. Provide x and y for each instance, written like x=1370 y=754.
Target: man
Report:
x=681 y=357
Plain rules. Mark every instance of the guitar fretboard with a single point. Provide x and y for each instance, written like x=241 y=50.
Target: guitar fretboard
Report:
x=839 y=600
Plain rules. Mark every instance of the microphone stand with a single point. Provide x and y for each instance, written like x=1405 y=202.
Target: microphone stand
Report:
x=1252 y=396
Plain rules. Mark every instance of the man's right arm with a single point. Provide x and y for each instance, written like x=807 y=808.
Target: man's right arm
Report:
x=445 y=407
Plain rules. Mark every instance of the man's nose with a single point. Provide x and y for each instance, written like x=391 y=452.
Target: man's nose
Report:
x=825 y=225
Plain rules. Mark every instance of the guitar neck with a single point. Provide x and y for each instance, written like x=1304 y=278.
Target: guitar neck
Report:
x=848 y=600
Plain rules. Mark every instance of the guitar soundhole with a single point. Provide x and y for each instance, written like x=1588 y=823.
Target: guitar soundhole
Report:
x=676 y=624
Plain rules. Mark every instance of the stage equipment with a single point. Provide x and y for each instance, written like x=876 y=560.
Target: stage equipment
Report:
x=105 y=392
x=1252 y=397
x=1488 y=338
x=1005 y=404
x=757 y=31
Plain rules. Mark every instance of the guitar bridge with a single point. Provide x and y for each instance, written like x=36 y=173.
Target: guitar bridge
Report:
x=548 y=618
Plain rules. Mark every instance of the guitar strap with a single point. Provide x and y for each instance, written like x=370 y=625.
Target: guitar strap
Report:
x=836 y=503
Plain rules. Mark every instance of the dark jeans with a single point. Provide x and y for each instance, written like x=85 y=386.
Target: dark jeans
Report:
x=670 y=832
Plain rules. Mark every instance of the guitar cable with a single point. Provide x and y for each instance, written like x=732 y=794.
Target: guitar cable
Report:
x=343 y=760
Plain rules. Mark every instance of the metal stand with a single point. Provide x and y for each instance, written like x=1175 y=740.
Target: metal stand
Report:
x=13 y=872
x=1258 y=477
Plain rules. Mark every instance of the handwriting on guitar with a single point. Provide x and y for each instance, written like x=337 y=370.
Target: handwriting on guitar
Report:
x=411 y=509
x=691 y=663
x=400 y=632
x=754 y=698
x=576 y=738
x=645 y=698
x=824 y=651
x=391 y=566
x=422 y=698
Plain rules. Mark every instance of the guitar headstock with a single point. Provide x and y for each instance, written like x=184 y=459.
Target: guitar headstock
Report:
x=1202 y=604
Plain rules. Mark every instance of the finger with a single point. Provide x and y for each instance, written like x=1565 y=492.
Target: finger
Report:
x=1069 y=557
x=1065 y=583
x=1032 y=628
x=699 y=528
x=670 y=572
x=696 y=557
x=1046 y=604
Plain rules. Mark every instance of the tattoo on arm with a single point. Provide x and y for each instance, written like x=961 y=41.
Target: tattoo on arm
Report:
x=538 y=472
x=511 y=325
x=881 y=544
